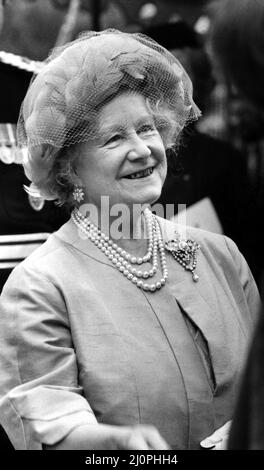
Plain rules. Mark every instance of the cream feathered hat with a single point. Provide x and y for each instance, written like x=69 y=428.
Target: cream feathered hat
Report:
x=61 y=106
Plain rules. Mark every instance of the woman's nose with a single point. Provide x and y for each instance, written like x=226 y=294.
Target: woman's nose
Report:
x=138 y=148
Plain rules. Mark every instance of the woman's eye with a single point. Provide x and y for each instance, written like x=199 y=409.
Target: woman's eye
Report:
x=147 y=129
x=115 y=138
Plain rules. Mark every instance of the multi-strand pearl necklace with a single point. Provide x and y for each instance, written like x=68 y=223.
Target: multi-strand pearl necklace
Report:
x=124 y=261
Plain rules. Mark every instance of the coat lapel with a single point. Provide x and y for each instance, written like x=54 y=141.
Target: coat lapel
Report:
x=197 y=301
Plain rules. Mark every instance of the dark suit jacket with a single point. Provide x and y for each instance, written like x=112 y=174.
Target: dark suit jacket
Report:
x=247 y=431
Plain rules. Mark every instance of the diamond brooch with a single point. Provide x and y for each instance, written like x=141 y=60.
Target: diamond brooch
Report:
x=185 y=253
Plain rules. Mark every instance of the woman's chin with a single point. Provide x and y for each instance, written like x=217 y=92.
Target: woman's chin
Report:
x=145 y=195
x=149 y=198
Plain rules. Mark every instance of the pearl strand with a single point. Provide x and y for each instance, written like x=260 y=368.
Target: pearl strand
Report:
x=121 y=259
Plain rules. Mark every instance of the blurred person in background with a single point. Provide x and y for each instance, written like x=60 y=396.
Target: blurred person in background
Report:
x=237 y=40
x=208 y=168
x=25 y=221
x=242 y=77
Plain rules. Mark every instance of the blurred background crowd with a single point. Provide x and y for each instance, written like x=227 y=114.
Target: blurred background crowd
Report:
x=219 y=170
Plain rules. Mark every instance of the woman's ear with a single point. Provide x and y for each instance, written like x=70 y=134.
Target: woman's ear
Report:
x=75 y=178
x=75 y=167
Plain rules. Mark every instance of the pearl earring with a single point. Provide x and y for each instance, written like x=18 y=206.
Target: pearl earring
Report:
x=78 y=193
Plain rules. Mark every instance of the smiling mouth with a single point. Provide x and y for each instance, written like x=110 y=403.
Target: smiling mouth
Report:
x=140 y=174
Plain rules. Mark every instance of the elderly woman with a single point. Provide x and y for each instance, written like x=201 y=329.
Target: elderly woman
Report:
x=118 y=333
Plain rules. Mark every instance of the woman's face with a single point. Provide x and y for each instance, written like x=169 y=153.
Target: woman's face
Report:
x=127 y=160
